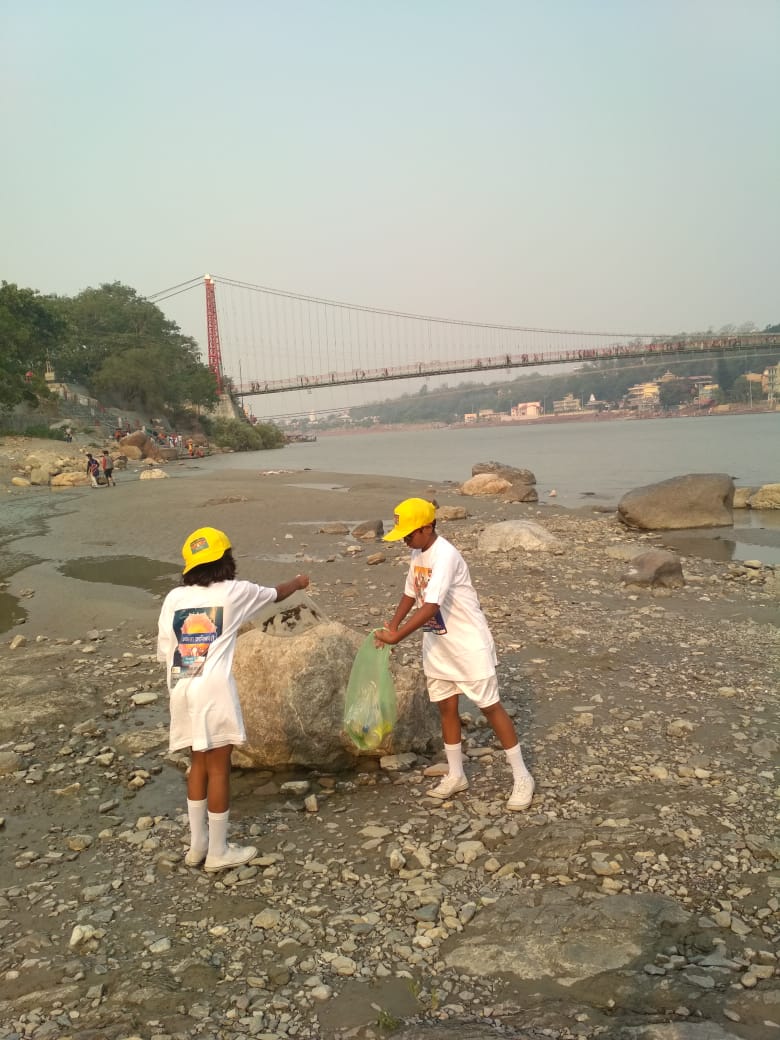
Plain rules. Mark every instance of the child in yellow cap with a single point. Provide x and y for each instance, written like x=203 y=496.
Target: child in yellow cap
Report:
x=459 y=655
x=197 y=632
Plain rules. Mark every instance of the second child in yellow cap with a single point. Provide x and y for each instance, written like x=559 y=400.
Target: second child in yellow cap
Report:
x=196 y=639
x=459 y=656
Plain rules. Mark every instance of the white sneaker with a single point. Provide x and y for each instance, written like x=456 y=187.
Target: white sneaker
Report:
x=449 y=786
x=522 y=794
x=233 y=856
x=194 y=857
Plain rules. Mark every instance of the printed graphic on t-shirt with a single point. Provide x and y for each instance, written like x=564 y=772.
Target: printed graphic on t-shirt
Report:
x=195 y=629
x=421 y=578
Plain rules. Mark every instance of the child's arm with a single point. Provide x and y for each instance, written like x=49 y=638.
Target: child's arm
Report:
x=392 y=635
x=299 y=582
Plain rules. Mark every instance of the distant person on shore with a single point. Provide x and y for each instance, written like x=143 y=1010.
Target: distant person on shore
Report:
x=93 y=470
x=459 y=656
x=196 y=640
x=107 y=465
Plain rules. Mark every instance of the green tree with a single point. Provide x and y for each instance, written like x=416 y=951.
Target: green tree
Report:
x=30 y=331
x=674 y=392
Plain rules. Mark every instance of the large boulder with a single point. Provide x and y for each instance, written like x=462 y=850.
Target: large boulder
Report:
x=693 y=500
x=510 y=473
x=486 y=475
x=767 y=497
x=292 y=674
x=484 y=484
x=146 y=447
x=69 y=479
x=518 y=534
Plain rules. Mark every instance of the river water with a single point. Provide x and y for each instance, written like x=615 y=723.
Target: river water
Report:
x=583 y=462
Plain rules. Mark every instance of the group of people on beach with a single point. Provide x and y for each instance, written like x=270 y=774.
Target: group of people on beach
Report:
x=197 y=632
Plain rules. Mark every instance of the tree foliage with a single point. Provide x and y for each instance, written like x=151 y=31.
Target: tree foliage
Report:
x=112 y=341
x=29 y=332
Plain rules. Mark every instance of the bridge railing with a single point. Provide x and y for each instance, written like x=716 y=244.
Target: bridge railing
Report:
x=421 y=369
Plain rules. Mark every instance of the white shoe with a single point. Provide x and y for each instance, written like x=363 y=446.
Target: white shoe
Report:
x=449 y=786
x=194 y=858
x=522 y=794
x=233 y=856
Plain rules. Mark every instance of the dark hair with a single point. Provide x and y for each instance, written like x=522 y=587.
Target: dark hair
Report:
x=223 y=569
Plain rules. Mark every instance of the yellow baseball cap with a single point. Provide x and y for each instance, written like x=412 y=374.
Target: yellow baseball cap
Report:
x=409 y=515
x=206 y=545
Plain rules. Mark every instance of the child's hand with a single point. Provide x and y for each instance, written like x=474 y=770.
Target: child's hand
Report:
x=302 y=581
x=385 y=637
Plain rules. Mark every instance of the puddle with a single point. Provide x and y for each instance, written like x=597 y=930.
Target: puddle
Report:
x=723 y=548
x=320 y=487
x=11 y=613
x=136 y=571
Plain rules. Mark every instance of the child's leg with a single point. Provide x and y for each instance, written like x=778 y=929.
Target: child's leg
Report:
x=523 y=783
x=455 y=780
x=221 y=856
x=218 y=778
x=196 y=810
x=503 y=727
x=450 y=720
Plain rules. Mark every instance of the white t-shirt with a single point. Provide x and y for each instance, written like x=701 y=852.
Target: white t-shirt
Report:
x=196 y=638
x=457 y=643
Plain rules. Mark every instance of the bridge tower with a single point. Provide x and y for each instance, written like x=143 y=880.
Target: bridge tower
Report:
x=212 y=327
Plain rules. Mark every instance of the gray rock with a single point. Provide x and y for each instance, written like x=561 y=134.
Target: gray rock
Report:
x=553 y=935
x=656 y=567
x=517 y=534
x=370 y=531
x=510 y=473
x=694 y=500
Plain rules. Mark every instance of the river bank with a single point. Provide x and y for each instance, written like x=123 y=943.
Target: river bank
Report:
x=639 y=889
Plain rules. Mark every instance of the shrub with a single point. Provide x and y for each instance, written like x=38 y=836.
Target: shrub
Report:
x=240 y=436
x=34 y=431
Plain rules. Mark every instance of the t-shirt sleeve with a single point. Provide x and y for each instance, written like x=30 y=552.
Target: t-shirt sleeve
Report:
x=249 y=598
x=164 y=634
x=440 y=581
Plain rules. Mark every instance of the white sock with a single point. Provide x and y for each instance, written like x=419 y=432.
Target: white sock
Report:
x=199 y=828
x=454 y=753
x=514 y=757
x=218 y=826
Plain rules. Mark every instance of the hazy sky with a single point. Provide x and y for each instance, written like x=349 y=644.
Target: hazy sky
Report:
x=610 y=164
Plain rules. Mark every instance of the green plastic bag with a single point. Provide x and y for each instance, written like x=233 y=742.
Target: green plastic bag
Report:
x=369 y=705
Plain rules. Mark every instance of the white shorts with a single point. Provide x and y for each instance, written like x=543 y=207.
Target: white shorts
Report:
x=482 y=692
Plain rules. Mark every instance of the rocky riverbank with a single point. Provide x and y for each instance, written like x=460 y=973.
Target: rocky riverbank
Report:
x=638 y=897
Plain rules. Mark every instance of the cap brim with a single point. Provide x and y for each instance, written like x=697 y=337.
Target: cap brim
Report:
x=396 y=534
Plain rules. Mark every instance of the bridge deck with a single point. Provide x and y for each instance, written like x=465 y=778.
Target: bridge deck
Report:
x=422 y=369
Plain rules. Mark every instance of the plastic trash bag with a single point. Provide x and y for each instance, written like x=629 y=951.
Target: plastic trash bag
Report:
x=369 y=705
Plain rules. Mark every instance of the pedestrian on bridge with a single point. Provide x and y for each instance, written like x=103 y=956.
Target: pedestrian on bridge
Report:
x=459 y=655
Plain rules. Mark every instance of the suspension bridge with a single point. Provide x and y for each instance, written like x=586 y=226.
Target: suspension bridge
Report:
x=268 y=341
